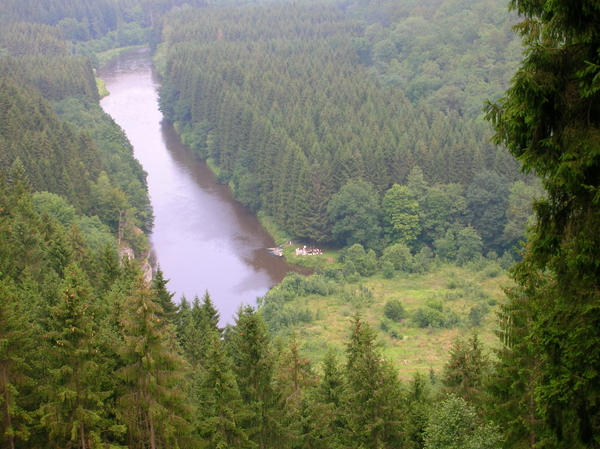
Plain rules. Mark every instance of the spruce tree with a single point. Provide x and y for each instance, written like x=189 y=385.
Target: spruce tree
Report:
x=550 y=121
x=372 y=398
x=511 y=385
x=466 y=370
x=248 y=344
x=17 y=343
x=221 y=411
x=165 y=298
x=75 y=409
x=152 y=397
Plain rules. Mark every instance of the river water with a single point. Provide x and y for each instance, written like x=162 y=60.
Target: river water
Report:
x=202 y=238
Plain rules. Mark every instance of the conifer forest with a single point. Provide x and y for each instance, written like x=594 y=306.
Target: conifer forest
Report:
x=400 y=135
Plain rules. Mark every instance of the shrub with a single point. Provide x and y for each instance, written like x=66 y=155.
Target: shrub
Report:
x=387 y=269
x=364 y=261
x=478 y=313
x=394 y=310
x=423 y=260
x=426 y=316
x=399 y=255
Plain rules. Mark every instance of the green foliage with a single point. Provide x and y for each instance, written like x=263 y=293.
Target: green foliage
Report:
x=423 y=260
x=387 y=269
x=477 y=314
x=467 y=368
x=365 y=262
x=450 y=55
x=247 y=344
x=372 y=395
x=354 y=210
x=549 y=120
x=16 y=355
x=152 y=401
x=399 y=256
x=394 y=310
x=445 y=247
x=401 y=211
x=487 y=200
x=289 y=145
x=520 y=212
x=469 y=245
x=77 y=405
x=455 y=425
x=221 y=411
x=435 y=315
x=510 y=385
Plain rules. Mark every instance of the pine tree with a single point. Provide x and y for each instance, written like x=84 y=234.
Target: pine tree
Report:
x=253 y=365
x=16 y=355
x=165 y=298
x=197 y=331
x=221 y=411
x=152 y=400
x=76 y=408
x=372 y=396
x=511 y=385
x=467 y=368
x=550 y=120
x=294 y=378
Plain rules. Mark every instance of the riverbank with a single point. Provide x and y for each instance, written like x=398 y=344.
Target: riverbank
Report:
x=202 y=238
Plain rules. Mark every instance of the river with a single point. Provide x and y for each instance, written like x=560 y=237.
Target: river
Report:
x=203 y=239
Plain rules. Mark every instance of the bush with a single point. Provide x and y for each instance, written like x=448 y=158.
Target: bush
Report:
x=394 y=310
x=453 y=296
x=425 y=317
x=452 y=283
x=399 y=255
x=390 y=328
x=423 y=260
x=478 y=313
x=359 y=298
x=387 y=269
x=365 y=262
x=435 y=315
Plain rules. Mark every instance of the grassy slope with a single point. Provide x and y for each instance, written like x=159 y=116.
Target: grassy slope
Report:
x=420 y=349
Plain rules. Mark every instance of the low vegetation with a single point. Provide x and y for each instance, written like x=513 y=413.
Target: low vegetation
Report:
x=418 y=315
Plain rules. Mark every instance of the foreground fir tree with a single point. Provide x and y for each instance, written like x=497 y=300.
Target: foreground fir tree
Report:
x=152 y=402
x=511 y=385
x=550 y=120
x=76 y=405
x=199 y=325
x=17 y=342
x=322 y=424
x=254 y=366
x=294 y=379
x=221 y=411
x=466 y=370
x=164 y=297
x=372 y=403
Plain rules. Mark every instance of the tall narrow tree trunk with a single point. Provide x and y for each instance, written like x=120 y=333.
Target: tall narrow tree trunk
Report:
x=82 y=436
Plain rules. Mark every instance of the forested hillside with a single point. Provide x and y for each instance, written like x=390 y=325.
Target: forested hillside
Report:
x=88 y=161
x=278 y=99
x=347 y=124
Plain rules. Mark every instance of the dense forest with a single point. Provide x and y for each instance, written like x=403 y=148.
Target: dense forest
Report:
x=306 y=134
x=355 y=124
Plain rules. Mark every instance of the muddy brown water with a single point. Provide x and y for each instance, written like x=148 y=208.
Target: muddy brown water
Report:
x=202 y=238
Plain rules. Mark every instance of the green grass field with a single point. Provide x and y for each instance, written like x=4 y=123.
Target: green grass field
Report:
x=419 y=349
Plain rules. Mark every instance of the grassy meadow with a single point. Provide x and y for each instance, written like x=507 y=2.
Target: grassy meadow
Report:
x=452 y=289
